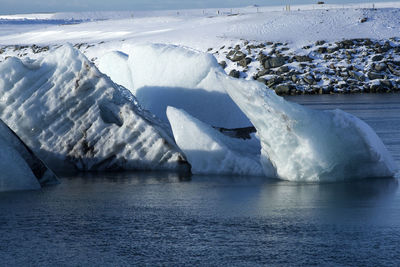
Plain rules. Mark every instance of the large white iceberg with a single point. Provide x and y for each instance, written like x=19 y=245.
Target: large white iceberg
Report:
x=168 y=75
x=20 y=169
x=75 y=117
x=302 y=144
x=211 y=152
x=309 y=145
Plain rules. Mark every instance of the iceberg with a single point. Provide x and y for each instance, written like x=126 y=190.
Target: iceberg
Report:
x=169 y=75
x=301 y=144
x=115 y=65
x=309 y=145
x=75 y=117
x=20 y=169
x=211 y=152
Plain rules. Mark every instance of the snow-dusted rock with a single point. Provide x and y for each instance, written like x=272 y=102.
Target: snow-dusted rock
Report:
x=211 y=152
x=168 y=75
x=73 y=116
x=20 y=169
x=308 y=145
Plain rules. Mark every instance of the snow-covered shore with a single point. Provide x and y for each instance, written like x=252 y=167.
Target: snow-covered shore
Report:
x=201 y=29
x=360 y=65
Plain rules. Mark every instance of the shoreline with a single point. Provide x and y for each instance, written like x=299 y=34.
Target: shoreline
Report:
x=351 y=66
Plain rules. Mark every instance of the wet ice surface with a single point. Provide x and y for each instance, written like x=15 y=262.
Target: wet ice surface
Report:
x=158 y=218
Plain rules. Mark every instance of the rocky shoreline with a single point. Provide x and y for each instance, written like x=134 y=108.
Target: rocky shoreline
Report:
x=360 y=65
x=347 y=66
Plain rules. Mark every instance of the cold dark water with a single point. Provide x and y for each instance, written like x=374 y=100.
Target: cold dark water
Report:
x=164 y=219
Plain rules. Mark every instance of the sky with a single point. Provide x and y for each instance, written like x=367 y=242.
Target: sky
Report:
x=37 y=6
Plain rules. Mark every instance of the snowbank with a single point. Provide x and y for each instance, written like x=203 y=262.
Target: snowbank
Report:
x=167 y=75
x=308 y=145
x=73 y=116
x=211 y=152
x=20 y=169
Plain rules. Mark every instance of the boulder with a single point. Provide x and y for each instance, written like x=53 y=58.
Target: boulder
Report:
x=283 y=89
x=234 y=73
x=375 y=76
x=275 y=62
x=377 y=58
x=332 y=49
x=283 y=69
x=244 y=62
x=262 y=73
x=262 y=80
x=393 y=69
x=274 y=81
x=322 y=50
x=308 y=79
x=387 y=83
x=380 y=67
x=357 y=75
x=303 y=58
x=376 y=88
x=236 y=55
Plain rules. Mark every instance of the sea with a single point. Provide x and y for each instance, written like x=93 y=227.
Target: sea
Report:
x=168 y=219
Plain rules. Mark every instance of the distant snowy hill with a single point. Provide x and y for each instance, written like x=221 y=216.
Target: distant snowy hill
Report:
x=201 y=29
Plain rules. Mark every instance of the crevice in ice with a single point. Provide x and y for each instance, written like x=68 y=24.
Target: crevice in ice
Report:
x=109 y=113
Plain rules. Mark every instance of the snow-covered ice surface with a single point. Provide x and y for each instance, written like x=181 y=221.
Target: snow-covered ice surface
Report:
x=73 y=116
x=166 y=75
x=20 y=169
x=211 y=152
x=309 y=145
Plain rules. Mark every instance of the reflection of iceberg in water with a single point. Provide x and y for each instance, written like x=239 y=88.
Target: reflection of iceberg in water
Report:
x=302 y=144
x=330 y=202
